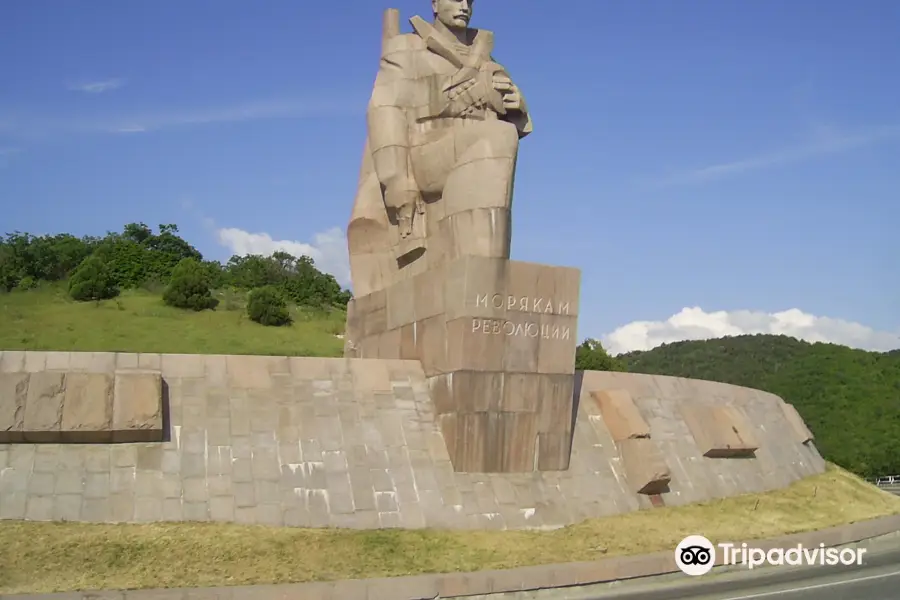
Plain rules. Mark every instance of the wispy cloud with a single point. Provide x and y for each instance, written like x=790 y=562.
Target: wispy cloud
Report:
x=253 y=111
x=825 y=140
x=96 y=87
x=38 y=127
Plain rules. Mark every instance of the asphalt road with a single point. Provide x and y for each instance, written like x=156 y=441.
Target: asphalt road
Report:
x=878 y=578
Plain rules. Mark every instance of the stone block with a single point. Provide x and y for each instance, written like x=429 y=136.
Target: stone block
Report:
x=472 y=344
x=57 y=361
x=555 y=407
x=12 y=361
x=554 y=451
x=44 y=407
x=249 y=372
x=645 y=468
x=13 y=394
x=532 y=309
x=92 y=362
x=400 y=304
x=138 y=407
x=371 y=313
x=491 y=421
x=370 y=375
x=801 y=432
x=87 y=408
x=35 y=361
x=719 y=431
x=621 y=415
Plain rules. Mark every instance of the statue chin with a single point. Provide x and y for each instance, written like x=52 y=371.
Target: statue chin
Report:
x=454 y=24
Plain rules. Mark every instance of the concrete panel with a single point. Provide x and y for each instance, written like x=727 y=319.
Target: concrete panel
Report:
x=88 y=409
x=138 y=407
x=13 y=393
x=621 y=415
x=319 y=448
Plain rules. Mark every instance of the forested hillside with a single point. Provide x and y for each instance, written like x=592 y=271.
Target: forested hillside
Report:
x=152 y=291
x=849 y=398
x=137 y=257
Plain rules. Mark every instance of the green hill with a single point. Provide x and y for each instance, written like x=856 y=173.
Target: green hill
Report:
x=146 y=291
x=849 y=398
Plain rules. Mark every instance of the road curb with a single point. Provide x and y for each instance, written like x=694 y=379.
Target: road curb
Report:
x=481 y=583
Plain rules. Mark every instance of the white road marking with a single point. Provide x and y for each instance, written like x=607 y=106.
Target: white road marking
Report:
x=806 y=588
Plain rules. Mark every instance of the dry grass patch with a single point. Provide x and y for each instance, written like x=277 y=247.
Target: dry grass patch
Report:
x=53 y=557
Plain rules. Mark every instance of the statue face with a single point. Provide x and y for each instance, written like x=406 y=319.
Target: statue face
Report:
x=455 y=14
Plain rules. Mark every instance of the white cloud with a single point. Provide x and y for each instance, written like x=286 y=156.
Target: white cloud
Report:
x=328 y=249
x=41 y=127
x=826 y=139
x=696 y=324
x=97 y=87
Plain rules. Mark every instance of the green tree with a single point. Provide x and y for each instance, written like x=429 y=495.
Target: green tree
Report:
x=266 y=306
x=298 y=279
x=40 y=258
x=591 y=356
x=138 y=256
x=189 y=287
x=92 y=280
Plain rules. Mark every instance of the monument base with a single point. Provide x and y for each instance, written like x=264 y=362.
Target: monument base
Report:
x=497 y=422
x=496 y=339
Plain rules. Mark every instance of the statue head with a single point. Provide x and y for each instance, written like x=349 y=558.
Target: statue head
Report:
x=454 y=14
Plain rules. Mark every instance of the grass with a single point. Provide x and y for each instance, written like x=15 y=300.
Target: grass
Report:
x=56 y=557
x=138 y=321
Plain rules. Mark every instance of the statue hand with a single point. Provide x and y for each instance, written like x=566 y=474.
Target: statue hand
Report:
x=396 y=196
x=512 y=98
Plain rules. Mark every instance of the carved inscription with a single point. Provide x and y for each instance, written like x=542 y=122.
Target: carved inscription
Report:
x=526 y=304
x=526 y=329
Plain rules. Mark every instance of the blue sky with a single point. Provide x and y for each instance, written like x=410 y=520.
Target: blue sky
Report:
x=695 y=158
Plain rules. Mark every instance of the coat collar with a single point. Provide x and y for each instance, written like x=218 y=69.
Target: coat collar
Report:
x=482 y=43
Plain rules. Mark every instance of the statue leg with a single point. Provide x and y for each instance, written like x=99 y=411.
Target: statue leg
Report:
x=475 y=219
x=372 y=266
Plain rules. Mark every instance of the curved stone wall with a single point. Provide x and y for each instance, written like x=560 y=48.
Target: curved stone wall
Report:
x=353 y=443
x=677 y=412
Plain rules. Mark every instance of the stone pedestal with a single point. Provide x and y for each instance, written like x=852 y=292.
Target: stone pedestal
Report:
x=497 y=340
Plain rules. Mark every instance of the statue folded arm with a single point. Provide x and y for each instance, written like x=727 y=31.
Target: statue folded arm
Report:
x=521 y=118
x=388 y=127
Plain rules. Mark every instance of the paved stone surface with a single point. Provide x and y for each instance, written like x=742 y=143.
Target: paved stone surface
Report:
x=322 y=442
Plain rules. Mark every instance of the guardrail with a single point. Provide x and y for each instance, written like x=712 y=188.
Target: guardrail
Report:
x=886 y=480
x=889 y=483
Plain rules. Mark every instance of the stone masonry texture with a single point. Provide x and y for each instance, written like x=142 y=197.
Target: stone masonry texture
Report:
x=353 y=443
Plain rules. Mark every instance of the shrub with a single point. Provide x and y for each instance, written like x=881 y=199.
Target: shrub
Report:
x=266 y=306
x=92 y=280
x=189 y=287
x=591 y=356
x=27 y=283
